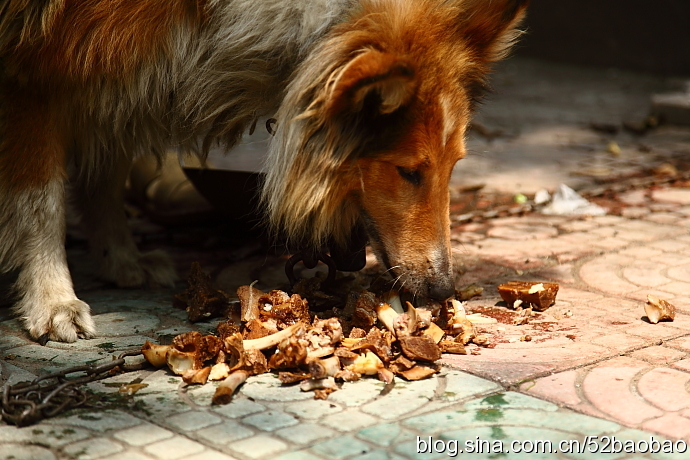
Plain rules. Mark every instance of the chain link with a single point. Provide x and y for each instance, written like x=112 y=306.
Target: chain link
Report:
x=26 y=403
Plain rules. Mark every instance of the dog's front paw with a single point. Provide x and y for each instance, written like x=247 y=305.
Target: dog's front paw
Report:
x=153 y=269
x=60 y=321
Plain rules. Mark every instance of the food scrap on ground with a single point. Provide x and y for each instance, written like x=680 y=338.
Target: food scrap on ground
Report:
x=467 y=292
x=539 y=296
x=659 y=310
x=278 y=333
x=201 y=300
x=370 y=334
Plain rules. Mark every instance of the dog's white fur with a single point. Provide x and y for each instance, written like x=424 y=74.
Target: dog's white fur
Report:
x=48 y=301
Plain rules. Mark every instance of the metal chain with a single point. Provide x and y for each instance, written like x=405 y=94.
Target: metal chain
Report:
x=27 y=403
x=588 y=192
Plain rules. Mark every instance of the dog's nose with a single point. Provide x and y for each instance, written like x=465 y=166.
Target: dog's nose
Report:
x=441 y=291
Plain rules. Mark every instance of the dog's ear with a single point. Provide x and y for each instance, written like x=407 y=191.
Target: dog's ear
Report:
x=489 y=27
x=372 y=73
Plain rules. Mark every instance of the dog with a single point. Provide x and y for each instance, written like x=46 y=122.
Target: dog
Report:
x=372 y=98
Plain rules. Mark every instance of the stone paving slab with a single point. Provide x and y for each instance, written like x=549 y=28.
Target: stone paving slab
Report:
x=615 y=364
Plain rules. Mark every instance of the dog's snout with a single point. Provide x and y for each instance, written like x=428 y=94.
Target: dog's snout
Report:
x=441 y=291
x=440 y=280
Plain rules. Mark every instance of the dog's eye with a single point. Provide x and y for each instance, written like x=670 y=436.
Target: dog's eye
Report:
x=412 y=176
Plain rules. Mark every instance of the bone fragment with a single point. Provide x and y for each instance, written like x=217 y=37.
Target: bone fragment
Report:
x=387 y=316
x=227 y=387
x=196 y=376
x=219 y=371
x=155 y=354
x=367 y=364
x=322 y=368
x=659 y=310
x=273 y=339
x=180 y=362
x=318 y=384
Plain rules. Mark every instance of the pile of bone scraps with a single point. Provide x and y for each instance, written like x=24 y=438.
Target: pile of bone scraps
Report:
x=373 y=335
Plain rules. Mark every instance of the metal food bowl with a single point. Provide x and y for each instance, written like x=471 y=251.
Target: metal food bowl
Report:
x=231 y=180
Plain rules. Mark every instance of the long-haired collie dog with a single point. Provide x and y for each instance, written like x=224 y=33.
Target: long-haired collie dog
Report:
x=372 y=99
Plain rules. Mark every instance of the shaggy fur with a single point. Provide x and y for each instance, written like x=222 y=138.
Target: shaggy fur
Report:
x=372 y=98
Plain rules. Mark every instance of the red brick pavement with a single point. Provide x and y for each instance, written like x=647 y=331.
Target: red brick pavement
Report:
x=592 y=351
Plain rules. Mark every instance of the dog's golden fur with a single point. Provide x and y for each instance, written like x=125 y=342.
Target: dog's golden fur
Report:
x=372 y=99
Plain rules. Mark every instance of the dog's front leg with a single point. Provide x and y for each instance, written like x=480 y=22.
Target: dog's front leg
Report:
x=32 y=218
x=100 y=198
x=48 y=305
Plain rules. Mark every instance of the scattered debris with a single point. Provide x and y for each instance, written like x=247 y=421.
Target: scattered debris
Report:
x=614 y=148
x=201 y=300
x=666 y=170
x=278 y=333
x=567 y=202
x=659 y=310
x=481 y=340
x=189 y=352
x=455 y=348
x=249 y=302
x=131 y=388
x=363 y=309
x=373 y=334
x=227 y=388
x=434 y=332
x=468 y=292
x=520 y=198
x=539 y=296
x=155 y=354
x=542 y=197
x=420 y=372
x=524 y=315
x=461 y=326
x=478 y=318
x=312 y=384
x=420 y=348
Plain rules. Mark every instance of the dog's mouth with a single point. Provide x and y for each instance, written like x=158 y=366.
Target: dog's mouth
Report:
x=393 y=270
x=415 y=287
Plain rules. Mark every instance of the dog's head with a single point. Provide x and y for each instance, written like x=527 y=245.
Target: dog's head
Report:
x=374 y=122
